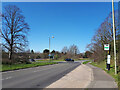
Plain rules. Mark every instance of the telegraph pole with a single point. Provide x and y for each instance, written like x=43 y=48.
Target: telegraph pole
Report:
x=114 y=36
x=49 y=48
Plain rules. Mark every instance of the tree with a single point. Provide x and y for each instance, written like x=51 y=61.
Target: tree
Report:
x=46 y=51
x=73 y=50
x=88 y=54
x=32 y=51
x=104 y=35
x=64 y=50
x=14 y=29
x=53 y=52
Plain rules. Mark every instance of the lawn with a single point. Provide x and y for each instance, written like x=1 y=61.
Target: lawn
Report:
x=21 y=66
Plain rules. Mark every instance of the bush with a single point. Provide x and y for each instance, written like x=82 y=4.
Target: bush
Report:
x=6 y=61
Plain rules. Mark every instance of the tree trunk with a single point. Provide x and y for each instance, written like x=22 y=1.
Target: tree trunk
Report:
x=10 y=55
x=10 y=52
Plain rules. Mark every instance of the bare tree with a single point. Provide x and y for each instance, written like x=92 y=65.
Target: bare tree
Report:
x=103 y=35
x=14 y=29
x=73 y=50
x=64 y=50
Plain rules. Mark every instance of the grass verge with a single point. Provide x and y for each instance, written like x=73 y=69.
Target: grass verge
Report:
x=21 y=66
x=119 y=80
x=86 y=62
x=83 y=59
x=51 y=60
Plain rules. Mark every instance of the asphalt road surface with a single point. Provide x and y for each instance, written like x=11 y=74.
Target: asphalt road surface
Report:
x=38 y=77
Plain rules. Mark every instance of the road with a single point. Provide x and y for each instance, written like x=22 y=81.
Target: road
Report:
x=37 y=77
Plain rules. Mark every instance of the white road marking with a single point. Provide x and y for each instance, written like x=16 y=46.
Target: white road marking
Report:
x=29 y=68
x=4 y=72
x=35 y=71
x=17 y=70
x=11 y=71
x=8 y=77
x=37 y=67
x=24 y=69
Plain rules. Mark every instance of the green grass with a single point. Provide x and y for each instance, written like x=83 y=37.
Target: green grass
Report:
x=86 y=62
x=59 y=60
x=21 y=66
x=82 y=59
x=111 y=72
x=64 y=60
x=50 y=60
x=119 y=80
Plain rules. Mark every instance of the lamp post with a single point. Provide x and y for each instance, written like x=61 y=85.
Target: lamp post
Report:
x=114 y=36
x=49 y=47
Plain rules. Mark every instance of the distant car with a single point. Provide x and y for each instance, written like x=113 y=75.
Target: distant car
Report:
x=32 y=60
x=68 y=59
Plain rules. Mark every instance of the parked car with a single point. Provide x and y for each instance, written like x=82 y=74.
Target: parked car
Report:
x=69 y=59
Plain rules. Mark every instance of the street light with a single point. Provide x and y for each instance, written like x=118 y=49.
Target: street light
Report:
x=49 y=46
x=114 y=36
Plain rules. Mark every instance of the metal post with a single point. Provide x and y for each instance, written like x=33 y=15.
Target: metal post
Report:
x=114 y=37
x=49 y=48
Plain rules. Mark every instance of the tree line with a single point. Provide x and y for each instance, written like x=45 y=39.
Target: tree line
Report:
x=14 y=40
x=104 y=35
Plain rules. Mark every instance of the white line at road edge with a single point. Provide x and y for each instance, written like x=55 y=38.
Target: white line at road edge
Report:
x=7 y=78
x=4 y=72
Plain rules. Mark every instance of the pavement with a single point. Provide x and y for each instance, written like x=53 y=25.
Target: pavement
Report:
x=78 y=78
x=101 y=79
x=85 y=76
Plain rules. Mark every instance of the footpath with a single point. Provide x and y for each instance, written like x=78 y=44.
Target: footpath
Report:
x=85 y=76
x=101 y=79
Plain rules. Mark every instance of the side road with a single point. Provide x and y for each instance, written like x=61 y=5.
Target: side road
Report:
x=85 y=76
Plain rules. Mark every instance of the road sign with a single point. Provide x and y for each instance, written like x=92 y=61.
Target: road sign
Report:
x=108 y=59
x=106 y=46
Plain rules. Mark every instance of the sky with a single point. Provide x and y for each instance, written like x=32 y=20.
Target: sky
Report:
x=69 y=22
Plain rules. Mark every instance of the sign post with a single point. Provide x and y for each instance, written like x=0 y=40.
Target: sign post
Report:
x=107 y=48
x=108 y=62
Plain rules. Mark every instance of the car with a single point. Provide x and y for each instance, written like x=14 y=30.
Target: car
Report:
x=31 y=60
x=69 y=59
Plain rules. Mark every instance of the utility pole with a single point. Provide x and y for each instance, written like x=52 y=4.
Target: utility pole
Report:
x=49 y=48
x=114 y=36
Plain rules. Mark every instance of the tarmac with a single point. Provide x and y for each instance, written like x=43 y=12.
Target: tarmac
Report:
x=101 y=79
x=86 y=76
